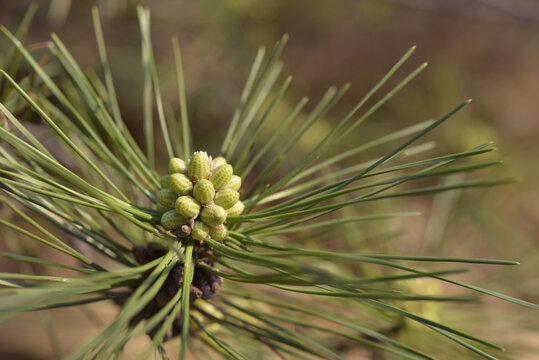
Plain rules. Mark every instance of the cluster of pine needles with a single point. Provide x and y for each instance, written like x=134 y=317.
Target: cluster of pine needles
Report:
x=82 y=186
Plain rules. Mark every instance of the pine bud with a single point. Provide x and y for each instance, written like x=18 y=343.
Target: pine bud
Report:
x=221 y=176
x=213 y=215
x=199 y=231
x=227 y=198
x=166 y=197
x=199 y=167
x=218 y=161
x=180 y=184
x=188 y=197
x=172 y=220
x=161 y=209
x=176 y=165
x=203 y=191
x=165 y=181
x=187 y=206
x=219 y=233
x=237 y=209
x=234 y=183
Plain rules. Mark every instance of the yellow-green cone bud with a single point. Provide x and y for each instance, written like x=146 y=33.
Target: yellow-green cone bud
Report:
x=180 y=184
x=218 y=161
x=199 y=166
x=176 y=165
x=161 y=209
x=227 y=198
x=172 y=220
x=237 y=209
x=219 y=233
x=200 y=231
x=234 y=183
x=187 y=206
x=165 y=181
x=221 y=176
x=166 y=197
x=203 y=191
x=213 y=215
x=199 y=196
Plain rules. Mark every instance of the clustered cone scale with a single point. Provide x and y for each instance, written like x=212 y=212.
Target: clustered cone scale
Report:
x=197 y=197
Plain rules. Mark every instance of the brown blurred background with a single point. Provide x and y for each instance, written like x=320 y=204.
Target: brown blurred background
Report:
x=487 y=50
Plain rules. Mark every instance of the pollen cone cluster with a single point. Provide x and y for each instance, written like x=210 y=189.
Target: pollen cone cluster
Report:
x=197 y=197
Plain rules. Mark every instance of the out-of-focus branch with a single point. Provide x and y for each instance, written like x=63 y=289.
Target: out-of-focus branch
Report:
x=515 y=10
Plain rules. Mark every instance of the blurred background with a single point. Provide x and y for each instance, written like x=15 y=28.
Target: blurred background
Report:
x=487 y=50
